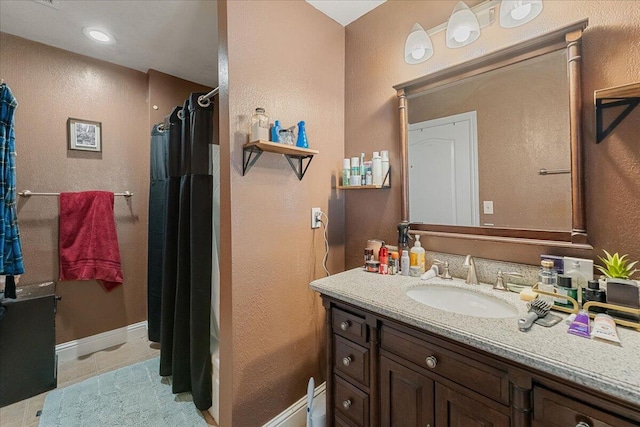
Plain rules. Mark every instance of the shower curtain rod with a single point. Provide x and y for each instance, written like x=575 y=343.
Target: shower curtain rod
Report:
x=29 y=193
x=203 y=99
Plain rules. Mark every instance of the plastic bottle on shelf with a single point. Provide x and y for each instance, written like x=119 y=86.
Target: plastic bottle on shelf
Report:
x=362 y=170
x=259 y=126
x=385 y=167
x=376 y=168
x=302 y=142
x=346 y=172
x=418 y=255
x=275 y=131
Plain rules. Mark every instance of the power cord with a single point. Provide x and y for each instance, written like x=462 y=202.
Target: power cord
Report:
x=326 y=240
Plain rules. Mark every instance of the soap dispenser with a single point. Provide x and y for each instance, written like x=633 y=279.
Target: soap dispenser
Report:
x=418 y=255
x=302 y=136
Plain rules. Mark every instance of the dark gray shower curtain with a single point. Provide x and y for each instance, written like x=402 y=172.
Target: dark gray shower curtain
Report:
x=157 y=227
x=186 y=298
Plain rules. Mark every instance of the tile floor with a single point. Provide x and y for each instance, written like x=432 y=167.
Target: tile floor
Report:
x=23 y=413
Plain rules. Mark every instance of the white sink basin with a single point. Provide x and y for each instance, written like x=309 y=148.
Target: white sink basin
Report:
x=462 y=301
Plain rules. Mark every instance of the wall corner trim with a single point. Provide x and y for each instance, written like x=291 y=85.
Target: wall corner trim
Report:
x=296 y=414
x=71 y=350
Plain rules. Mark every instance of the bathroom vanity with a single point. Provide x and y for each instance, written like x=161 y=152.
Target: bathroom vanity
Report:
x=394 y=361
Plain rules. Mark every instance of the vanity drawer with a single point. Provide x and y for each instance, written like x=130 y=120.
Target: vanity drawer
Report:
x=349 y=325
x=351 y=403
x=551 y=409
x=486 y=380
x=351 y=359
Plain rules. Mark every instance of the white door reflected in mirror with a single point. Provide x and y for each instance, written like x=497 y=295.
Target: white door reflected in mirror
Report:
x=443 y=171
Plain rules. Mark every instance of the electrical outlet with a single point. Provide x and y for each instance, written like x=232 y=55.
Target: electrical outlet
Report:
x=488 y=207
x=315 y=216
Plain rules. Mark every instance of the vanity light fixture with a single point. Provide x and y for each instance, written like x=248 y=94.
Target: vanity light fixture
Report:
x=463 y=27
x=418 y=47
x=514 y=13
x=98 y=35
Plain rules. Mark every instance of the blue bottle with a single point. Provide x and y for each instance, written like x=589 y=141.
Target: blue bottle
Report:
x=302 y=136
x=275 y=132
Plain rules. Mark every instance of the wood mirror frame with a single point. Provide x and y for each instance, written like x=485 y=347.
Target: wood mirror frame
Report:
x=568 y=38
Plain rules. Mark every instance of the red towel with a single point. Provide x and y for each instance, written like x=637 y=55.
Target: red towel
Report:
x=88 y=238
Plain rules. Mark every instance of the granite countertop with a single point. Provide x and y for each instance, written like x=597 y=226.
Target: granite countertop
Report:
x=613 y=369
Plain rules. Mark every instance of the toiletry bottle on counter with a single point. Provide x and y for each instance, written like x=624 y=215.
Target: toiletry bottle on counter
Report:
x=564 y=288
x=578 y=279
x=346 y=172
x=383 y=256
x=259 y=126
x=405 y=263
x=394 y=260
x=593 y=293
x=417 y=255
x=376 y=168
x=547 y=279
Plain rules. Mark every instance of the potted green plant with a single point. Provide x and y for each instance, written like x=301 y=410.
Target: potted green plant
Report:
x=616 y=266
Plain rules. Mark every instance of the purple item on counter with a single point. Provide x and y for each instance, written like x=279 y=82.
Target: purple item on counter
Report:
x=558 y=262
x=580 y=325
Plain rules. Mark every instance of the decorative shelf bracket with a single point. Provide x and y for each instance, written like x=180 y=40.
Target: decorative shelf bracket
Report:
x=299 y=169
x=622 y=96
x=249 y=160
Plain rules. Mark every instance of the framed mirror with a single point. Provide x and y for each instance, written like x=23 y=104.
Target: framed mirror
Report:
x=492 y=148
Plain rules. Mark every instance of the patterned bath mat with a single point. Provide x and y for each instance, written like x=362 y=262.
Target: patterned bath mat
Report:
x=131 y=396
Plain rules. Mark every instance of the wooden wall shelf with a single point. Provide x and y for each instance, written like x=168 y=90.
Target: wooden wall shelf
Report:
x=251 y=151
x=386 y=184
x=620 y=96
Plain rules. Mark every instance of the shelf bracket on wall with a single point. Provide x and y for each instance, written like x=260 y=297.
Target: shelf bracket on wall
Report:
x=299 y=169
x=621 y=96
x=248 y=159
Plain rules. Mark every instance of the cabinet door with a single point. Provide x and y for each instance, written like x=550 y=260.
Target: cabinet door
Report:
x=406 y=396
x=456 y=410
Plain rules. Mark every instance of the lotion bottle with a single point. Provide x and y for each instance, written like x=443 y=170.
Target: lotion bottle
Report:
x=376 y=166
x=578 y=280
x=418 y=255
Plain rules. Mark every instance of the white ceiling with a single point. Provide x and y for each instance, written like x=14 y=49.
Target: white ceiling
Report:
x=179 y=38
x=345 y=12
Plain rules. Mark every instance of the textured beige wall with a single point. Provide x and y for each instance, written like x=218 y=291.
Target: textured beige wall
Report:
x=523 y=126
x=52 y=85
x=296 y=72
x=611 y=56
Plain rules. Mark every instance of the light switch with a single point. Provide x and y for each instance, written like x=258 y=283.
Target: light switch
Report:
x=488 y=207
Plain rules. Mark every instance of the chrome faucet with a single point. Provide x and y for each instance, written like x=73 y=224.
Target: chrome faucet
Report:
x=472 y=276
x=445 y=274
x=500 y=285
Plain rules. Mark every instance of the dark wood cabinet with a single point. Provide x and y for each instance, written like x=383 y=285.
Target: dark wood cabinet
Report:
x=457 y=410
x=386 y=373
x=406 y=397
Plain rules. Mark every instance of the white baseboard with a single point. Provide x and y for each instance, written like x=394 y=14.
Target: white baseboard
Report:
x=296 y=414
x=77 y=348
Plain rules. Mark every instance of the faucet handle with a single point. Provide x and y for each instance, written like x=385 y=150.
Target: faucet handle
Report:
x=499 y=285
x=445 y=265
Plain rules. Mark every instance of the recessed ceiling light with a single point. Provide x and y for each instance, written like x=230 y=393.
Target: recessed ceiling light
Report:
x=99 y=36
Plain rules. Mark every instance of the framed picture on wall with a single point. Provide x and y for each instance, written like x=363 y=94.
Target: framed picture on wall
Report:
x=84 y=135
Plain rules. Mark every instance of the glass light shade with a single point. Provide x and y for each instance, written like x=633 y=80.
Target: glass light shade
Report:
x=514 y=13
x=463 y=27
x=418 y=47
x=98 y=35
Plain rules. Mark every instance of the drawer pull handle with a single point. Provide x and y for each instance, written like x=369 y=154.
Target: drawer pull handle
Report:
x=432 y=362
x=582 y=424
x=346 y=404
x=347 y=361
x=345 y=325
